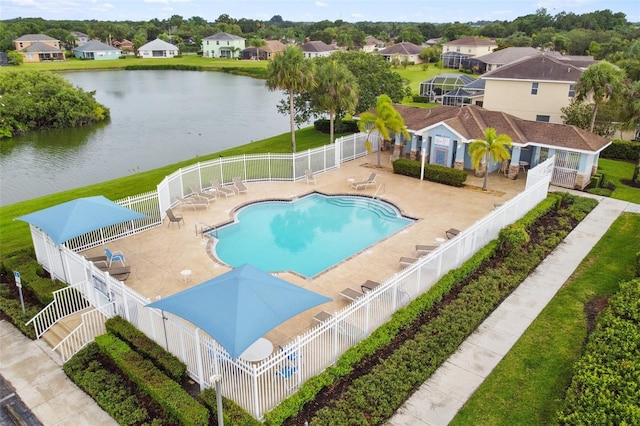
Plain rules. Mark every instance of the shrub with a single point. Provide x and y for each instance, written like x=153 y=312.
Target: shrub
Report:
x=146 y=347
x=421 y=99
x=432 y=172
x=175 y=400
x=600 y=191
x=638 y=264
x=622 y=150
x=340 y=126
x=232 y=413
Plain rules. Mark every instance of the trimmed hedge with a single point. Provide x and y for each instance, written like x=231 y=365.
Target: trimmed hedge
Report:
x=146 y=347
x=173 y=398
x=432 y=172
x=421 y=99
x=339 y=126
x=622 y=150
x=32 y=276
x=604 y=389
x=232 y=413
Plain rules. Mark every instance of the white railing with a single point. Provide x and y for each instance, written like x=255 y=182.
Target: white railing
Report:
x=255 y=386
x=92 y=325
x=66 y=301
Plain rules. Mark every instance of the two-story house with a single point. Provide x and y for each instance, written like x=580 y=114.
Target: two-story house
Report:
x=456 y=53
x=222 y=45
x=81 y=38
x=39 y=48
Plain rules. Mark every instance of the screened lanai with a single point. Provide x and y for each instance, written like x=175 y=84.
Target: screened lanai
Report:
x=437 y=86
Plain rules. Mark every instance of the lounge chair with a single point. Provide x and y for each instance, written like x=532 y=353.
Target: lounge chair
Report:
x=452 y=232
x=221 y=189
x=111 y=256
x=291 y=355
x=369 y=285
x=322 y=316
x=422 y=249
x=406 y=261
x=363 y=184
x=287 y=371
x=121 y=273
x=351 y=293
x=211 y=196
x=309 y=175
x=174 y=218
x=194 y=201
x=240 y=186
x=343 y=327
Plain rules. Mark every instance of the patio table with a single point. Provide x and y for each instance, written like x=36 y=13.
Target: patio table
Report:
x=259 y=350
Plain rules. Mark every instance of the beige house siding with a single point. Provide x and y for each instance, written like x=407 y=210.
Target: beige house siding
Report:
x=515 y=98
x=472 y=51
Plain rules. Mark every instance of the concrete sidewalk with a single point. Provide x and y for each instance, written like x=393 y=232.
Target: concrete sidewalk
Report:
x=35 y=374
x=440 y=398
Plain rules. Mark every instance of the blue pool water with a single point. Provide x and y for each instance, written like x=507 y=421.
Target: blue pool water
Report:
x=307 y=235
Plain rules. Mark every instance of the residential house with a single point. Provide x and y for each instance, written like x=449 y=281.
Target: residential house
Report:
x=97 y=51
x=372 y=44
x=441 y=84
x=493 y=60
x=39 y=48
x=222 y=45
x=264 y=53
x=313 y=49
x=404 y=51
x=533 y=88
x=81 y=38
x=158 y=49
x=456 y=53
x=126 y=46
x=445 y=132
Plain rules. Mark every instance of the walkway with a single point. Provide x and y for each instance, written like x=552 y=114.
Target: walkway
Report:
x=34 y=373
x=440 y=398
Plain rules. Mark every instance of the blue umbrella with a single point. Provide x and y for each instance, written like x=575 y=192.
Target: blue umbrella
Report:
x=240 y=306
x=78 y=217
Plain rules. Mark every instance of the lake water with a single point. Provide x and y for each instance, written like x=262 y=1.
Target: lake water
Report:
x=157 y=118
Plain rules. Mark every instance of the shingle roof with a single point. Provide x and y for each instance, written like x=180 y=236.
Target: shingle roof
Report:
x=404 y=48
x=508 y=55
x=40 y=47
x=539 y=67
x=158 y=44
x=223 y=36
x=471 y=121
x=472 y=41
x=317 y=46
x=94 y=46
x=35 y=37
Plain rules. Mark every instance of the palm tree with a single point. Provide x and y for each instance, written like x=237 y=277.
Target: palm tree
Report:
x=600 y=81
x=290 y=72
x=385 y=120
x=491 y=147
x=337 y=91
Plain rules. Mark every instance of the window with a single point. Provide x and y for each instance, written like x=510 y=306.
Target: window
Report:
x=458 y=49
x=544 y=118
x=534 y=88
x=572 y=90
x=217 y=42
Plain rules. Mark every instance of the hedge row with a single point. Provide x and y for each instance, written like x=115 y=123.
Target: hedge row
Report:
x=604 y=388
x=232 y=413
x=622 y=150
x=12 y=308
x=400 y=320
x=32 y=275
x=146 y=347
x=432 y=172
x=340 y=126
x=173 y=398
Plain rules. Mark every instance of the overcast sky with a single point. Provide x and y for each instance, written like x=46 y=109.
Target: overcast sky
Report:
x=436 y=11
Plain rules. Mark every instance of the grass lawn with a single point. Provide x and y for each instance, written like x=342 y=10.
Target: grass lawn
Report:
x=528 y=386
x=615 y=171
x=15 y=235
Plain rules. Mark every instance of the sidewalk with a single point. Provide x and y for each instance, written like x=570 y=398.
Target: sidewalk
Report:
x=35 y=374
x=440 y=398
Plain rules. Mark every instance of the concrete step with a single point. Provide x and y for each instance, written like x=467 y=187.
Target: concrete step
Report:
x=63 y=328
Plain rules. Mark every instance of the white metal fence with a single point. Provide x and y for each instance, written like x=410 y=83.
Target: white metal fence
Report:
x=258 y=387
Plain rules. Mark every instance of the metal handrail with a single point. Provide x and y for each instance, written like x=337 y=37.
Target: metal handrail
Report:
x=382 y=185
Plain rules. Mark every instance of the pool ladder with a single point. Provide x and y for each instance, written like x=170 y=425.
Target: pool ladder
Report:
x=381 y=186
x=202 y=228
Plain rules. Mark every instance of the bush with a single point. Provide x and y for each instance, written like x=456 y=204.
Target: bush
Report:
x=432 y=172
x=340 y=126
x=175 y=400
x=146 y=347
x=421 y=99
x=232 y=413
x=622 y=150
x=638 y=264
x=600 y=191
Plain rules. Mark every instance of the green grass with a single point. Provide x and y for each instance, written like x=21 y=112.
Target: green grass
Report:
x=15 y=235
x=615 y=171
x=414 y=75
x=528 y=386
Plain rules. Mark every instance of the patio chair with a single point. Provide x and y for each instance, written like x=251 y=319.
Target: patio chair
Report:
x=287 y=371
x=322 y=316
x=363 y=184
x=291 y=355
x=343 y=327
x=422 y=249
x=240 y=186
x=174 y=218
x=452 y=232
x=406 y=261
x=121 y=273
x=211 y=196
x=215 y=184
x=111 y=256
x=351 y=293
x=309 y=175
x=369 y=285
x=194 y=201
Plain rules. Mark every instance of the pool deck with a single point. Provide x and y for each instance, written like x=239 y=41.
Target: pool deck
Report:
x=158 y=256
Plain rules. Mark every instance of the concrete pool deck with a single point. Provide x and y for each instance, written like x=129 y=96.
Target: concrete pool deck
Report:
x=158 y=256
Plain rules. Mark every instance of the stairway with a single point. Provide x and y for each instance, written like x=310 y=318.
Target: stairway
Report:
x=63 y=328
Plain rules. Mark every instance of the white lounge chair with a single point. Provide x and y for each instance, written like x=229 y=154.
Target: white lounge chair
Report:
x=351 y=293
x=215 y=185
x=422 y=249
x=310 y=177
x=240 y=186
x=363 y=184
x=194 y=201
x=211 y=196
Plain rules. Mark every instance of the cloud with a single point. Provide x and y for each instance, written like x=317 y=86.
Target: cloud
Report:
x=322 y=4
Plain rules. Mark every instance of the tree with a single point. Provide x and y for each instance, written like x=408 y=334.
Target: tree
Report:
x=14 y=58
x=385 y=120
x=337 y=91
x=599 y=81
x=290 y=72
x=492 y=148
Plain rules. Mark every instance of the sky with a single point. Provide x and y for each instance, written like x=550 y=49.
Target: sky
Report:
x=435 y=11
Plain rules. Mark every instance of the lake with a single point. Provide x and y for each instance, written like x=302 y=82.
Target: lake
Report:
x=157 y=118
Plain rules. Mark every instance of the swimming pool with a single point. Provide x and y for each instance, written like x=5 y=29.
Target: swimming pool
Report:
x=307 y=235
